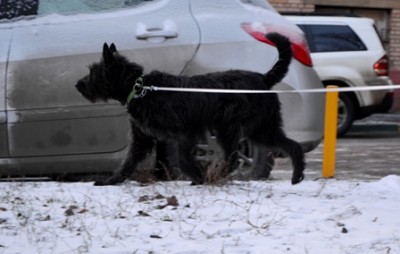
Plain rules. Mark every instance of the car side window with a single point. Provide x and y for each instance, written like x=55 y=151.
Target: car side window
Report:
x=17 y=9
x=10 y=9
x=84 y=6
x=330 y=38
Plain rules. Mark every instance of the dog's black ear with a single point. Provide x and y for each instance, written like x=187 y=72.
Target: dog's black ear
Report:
x=105 y=47
x=108 y=57
x=113 y=48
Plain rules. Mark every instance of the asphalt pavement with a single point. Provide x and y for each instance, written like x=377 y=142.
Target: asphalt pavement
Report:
x=369 y=151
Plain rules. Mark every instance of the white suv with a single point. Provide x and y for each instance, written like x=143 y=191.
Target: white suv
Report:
x=347 y=52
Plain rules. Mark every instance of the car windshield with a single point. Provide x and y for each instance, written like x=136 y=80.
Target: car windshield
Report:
x=13 y=9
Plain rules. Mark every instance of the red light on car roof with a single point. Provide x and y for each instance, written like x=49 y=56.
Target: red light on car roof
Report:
x=299 y=46
x=381 y=67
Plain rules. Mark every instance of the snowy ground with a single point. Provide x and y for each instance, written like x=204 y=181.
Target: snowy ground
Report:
x=321 y=216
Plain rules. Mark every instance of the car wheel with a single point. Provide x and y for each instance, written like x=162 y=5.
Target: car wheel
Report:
x=255 y=162
x=346 y=114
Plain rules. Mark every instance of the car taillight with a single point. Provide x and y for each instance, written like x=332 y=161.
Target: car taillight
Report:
x=299 y=44
x=381 y=67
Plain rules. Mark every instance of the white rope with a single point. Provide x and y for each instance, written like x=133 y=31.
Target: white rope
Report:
x=322 y=90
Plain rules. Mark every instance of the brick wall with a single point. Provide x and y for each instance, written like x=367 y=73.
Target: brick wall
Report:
x=292 y=5
x=394 y=53
x=394 y=49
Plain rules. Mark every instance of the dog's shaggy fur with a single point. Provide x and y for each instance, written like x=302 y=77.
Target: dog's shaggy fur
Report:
x=161 y=117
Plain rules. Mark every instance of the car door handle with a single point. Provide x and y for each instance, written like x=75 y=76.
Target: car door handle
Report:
x=157 y=32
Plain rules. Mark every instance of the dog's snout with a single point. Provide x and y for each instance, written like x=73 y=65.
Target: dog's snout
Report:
x=79 y=84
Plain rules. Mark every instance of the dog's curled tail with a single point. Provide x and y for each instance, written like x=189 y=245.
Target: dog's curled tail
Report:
x=281 y=67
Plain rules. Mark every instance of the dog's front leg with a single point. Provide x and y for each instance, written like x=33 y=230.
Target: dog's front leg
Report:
x=140 y=148
x=167 y=161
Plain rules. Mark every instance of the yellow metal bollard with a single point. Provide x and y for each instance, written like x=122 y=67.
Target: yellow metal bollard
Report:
x=330 y=133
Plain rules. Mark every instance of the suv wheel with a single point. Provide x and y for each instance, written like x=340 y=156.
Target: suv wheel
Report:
x=346 y=114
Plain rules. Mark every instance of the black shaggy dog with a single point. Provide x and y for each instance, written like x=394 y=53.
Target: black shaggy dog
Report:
x=160 y=117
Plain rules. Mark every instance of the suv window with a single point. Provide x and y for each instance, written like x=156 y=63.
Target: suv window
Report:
x=330 y=38
x=10 y=9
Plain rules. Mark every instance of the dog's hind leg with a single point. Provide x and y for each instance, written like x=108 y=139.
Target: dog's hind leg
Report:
x=140 y=148
x=263 y=162
x=188 y=164
x=278 y=140
x=228 y=139
x=294 y=150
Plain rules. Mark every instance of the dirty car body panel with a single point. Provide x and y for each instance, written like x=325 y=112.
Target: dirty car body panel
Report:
x=46 y=127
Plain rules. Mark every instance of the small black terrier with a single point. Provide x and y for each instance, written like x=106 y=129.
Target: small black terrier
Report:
x=162 y=117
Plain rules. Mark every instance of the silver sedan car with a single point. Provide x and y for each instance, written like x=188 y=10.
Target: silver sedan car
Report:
x=48 y=128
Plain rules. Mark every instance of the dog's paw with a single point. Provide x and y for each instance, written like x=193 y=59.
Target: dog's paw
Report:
x=297 y=179
x=101 y=182
x=194 y=183
x=264 y=175
x=197 y=182
x=113 y=180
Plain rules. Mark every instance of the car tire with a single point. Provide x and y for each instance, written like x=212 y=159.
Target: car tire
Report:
x=346 y=114
x=255 y=162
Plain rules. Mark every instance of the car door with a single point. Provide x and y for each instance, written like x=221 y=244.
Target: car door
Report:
x=46 y=114
x=223 y=37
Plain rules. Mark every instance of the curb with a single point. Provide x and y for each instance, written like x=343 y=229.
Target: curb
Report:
x=384 y=128
x=383 y=123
